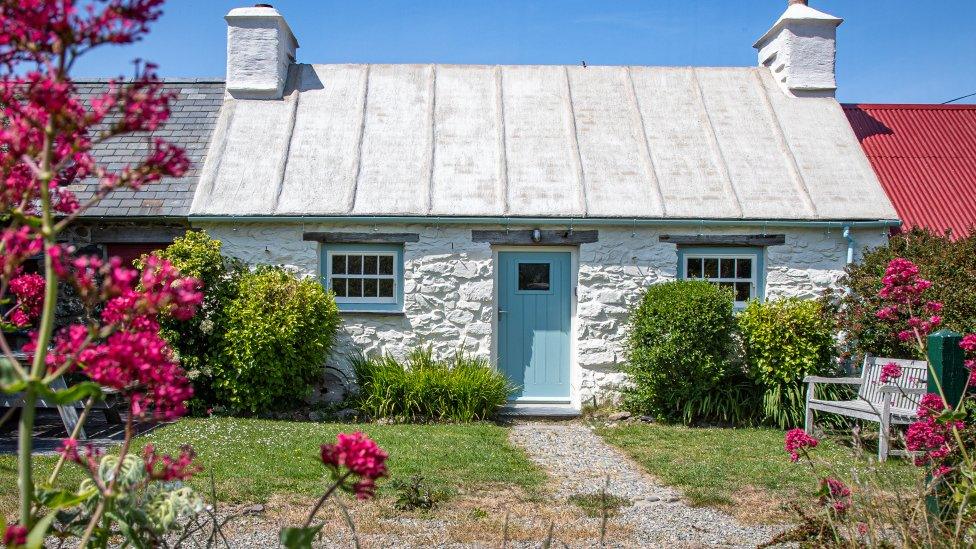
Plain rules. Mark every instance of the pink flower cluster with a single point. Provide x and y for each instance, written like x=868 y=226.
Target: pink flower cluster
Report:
x=968 y=345
x=15 y=536
x=835 y=493
x=929 y=436
x=797 y=441
x=890 y=372
x=902 y=289
x=167 y=468
x=29 y=290
x=360 y=456
x=91 y=459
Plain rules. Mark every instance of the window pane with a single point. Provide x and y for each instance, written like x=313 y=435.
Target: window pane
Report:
x=711 y=267
x=533 y=277
x=727 y=269
x=743 y=291
x=339 y=287
x=338 y=264
x=386 y=264
x=369 y=264
x=369 y=287
x=355 y=287
x=355 y=264
x=743 y=268
x=694 y=269
x=386 y=287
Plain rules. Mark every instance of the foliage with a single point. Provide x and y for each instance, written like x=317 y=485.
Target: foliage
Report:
x=783 y=341
x=949 y=264
x=679 y=346
x=278 y=333
x=414 y=494
x=461 y=389
x=941 y=442
x=111 y=333
x=197 y=342
x=599 y=504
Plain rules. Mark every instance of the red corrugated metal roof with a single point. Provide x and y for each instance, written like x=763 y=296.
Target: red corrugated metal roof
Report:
x=925 y=157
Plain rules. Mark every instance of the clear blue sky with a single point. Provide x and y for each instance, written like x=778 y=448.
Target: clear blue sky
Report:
x=894 y=51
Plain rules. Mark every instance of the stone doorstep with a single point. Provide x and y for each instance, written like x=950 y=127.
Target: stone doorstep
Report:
x=542 y=411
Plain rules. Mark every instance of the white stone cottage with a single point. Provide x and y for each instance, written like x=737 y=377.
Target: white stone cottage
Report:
x=516 y=212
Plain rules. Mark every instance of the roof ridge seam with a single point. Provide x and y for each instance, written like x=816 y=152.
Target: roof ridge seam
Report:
x=575 y=153
x=290 y=133
x=722 y=165
x=784 y=144
x=359 y=146
x=207 y=178
x=432 y=115
x=501 y=137
x=642 y=127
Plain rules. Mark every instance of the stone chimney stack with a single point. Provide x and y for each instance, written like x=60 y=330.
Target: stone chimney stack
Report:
x=260 y=47
x=800 y=50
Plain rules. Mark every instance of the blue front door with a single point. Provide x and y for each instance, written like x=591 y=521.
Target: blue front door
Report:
x=534 y=308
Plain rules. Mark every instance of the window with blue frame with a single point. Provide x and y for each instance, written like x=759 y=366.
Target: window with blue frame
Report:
x=364 y=277
x=739 y=269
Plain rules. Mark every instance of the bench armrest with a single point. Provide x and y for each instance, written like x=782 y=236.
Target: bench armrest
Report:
x=894 y=389
x=833 y=380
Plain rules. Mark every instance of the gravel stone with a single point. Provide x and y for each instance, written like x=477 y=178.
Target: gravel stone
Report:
x=580 y=462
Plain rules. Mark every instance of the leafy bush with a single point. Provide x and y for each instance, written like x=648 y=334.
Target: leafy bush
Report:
x=279 y=331
x=785 y=340
x=197 y=342
x=949 y=265
x=462 y=389
x=679 y=347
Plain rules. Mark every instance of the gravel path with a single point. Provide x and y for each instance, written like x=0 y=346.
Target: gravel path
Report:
x=579 y=461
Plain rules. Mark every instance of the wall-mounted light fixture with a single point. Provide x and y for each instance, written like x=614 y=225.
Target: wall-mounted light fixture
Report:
x=536 y=235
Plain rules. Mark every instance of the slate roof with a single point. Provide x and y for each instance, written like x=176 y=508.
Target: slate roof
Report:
x=925 y=157
x=538 y=141
x=190 y=125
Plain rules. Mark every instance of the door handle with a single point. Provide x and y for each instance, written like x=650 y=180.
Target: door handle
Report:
x=501 y=312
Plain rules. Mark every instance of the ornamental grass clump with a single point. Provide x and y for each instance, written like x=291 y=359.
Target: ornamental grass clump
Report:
x=941 y=511
x=461 y=389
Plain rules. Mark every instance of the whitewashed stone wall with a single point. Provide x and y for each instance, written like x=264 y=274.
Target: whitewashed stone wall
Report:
x=448 y=285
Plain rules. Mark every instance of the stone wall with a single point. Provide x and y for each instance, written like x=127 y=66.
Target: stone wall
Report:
x=448 y=285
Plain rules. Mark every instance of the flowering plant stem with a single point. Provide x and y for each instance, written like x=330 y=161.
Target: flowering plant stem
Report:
x=325 y=496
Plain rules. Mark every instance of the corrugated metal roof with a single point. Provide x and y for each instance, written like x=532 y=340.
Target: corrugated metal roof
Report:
x=192 y=118
x=925 y=157
x=546 y=141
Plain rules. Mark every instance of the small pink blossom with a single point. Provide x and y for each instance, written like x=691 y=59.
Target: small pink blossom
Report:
x=167 y=468
x=361 y=456
x=968 y=343
x=931 y=406
x=15 y=535
x=797 y=441
x=836 y=494
x=889 y=372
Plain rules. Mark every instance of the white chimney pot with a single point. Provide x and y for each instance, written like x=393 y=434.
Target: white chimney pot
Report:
x=260 y=48
x=800 y=49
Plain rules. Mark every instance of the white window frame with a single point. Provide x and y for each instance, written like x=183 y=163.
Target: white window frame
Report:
x=345 y=276
x=753 y=280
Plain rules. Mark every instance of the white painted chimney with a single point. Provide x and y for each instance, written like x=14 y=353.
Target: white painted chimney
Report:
x=800 y=49
x=260 y=47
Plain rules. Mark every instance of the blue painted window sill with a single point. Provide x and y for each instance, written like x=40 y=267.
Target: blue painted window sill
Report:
x=372 y=313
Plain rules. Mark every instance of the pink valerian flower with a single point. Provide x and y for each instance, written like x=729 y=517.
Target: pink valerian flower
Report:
x=835 y=493
x=901 y=282
x=889 y=372
x=902 y=292
x=797 y=441
x=941 y=471
x=929 y=438
x=168 y=468
x=16 y=246
x=29 y=289
x=931 y=406
x=91 y=459
x=968 y=343
x=15 y=535
x=358 y=455
x=69 y=449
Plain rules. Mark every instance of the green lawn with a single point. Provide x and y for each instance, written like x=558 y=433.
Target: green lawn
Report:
x=746 y=468
x=253 y=459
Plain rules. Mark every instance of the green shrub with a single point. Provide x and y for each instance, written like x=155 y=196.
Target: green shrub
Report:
x=949 y=265
x=462 y=389
x=279 y=331
x=679 y=346
x=197 y=341
x=783 y=341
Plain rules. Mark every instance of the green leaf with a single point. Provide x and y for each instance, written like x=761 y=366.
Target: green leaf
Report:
x=62 y=499
x=72 y=394
x=299 y=538
x=35 y=539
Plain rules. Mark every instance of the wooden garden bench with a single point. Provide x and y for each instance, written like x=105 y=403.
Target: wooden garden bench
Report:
x=892 y=403
x=69 y=413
